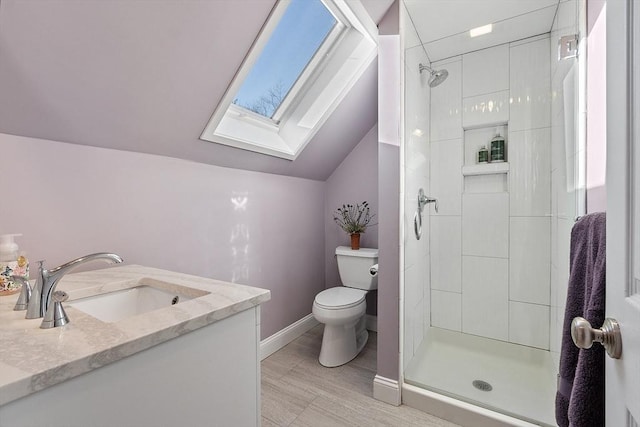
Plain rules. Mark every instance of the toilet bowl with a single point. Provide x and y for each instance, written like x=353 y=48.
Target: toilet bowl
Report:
x=342 y=309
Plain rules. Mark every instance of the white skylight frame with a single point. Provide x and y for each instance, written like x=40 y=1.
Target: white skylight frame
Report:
x=340 y=61
x=312 y=67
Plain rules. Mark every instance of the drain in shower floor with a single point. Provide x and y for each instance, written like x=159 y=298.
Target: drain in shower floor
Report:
x=482 y=385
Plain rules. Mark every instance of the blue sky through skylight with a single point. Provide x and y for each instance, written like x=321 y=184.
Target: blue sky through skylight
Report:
x=301 y=31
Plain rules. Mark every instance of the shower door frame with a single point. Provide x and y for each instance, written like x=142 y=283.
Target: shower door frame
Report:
x=438 y=403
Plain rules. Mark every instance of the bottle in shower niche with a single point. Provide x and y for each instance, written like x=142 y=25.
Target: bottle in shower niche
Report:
x=497 y=148
x=483 y=154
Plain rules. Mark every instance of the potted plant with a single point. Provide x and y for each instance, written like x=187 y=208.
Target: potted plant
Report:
x=354 y=219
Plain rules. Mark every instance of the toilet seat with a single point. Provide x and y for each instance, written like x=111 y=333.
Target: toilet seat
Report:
x=340 y=298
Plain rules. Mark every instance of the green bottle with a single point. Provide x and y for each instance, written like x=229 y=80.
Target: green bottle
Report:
x=483 y=155
x=497 y=148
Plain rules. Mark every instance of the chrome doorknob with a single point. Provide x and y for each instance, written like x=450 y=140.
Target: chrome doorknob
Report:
x=584 y=335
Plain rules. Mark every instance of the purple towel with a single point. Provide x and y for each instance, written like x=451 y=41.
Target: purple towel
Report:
x=580 y=397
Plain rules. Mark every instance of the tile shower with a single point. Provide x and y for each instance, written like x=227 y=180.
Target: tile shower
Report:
x=497 y=279
x=485 y=289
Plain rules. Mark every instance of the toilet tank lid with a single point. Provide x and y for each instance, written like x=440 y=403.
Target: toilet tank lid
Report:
x=362 y=252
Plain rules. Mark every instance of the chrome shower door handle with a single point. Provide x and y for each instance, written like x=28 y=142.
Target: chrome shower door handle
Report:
x=584 y=335
x=417 y=224
x=423 y=200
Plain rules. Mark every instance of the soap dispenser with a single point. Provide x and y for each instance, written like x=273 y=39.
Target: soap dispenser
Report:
x=497 y=148
x=12 y=263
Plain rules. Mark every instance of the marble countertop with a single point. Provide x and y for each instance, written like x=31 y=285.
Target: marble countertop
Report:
x=32 y=359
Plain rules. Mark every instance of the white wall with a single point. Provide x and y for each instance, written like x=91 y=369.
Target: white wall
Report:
x=596 y=106
x=490 y=265
x=529 y=193
x=446 y=157
x=246 y=227
x=416 y=174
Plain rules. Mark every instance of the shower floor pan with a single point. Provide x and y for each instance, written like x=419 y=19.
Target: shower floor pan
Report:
x=522 y=379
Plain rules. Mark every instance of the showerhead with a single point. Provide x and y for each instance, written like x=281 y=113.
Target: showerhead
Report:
x=437 y=76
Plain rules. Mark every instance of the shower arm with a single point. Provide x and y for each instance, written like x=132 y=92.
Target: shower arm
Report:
x=423 y=67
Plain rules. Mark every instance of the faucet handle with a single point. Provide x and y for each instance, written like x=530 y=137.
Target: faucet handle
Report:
x=56 y=315
x=35 y=309
x=25 y=293
x=60 y=296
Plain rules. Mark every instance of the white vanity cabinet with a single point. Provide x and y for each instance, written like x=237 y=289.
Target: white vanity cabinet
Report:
x=203 y=371
x=208 y=377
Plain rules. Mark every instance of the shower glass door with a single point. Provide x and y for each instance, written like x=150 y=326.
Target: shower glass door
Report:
x=484 y=286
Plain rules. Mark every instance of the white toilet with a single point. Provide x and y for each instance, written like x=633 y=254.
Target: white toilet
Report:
x=342 y=308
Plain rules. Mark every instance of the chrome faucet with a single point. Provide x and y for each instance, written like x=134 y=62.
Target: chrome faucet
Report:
x=47 y=280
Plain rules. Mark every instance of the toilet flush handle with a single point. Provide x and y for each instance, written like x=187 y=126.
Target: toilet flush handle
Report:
x=373 y=271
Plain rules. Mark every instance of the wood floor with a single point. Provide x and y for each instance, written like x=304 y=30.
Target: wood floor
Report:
x=298 y=391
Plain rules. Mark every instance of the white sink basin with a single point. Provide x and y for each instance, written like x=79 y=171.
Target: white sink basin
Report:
x=115 y=306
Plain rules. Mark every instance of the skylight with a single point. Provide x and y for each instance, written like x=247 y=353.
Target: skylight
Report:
x=303 y=28
x=307 y=57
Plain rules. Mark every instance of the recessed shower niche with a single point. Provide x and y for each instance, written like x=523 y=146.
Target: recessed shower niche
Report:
x=484 y=177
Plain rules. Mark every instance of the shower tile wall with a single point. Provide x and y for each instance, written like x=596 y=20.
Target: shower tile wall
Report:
x=529 y=84
x=446 y=185
x=416 y=157
x=490 y=241
x=530 y=193
x=446 y=103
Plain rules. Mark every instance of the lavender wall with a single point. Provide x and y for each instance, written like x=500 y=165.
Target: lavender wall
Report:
x=246 y=227
x=145 y=76
x=167 y=212
x=354 y=181
x=389 y=260
x=389 y=66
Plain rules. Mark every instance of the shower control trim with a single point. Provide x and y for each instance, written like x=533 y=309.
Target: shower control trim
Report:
x=417 y=218
x=423 y=200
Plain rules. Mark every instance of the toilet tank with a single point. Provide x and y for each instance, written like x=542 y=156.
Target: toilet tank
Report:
x=354 y=267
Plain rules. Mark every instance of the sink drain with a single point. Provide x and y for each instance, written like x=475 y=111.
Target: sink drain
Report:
x=482 y=385
x=175 y=300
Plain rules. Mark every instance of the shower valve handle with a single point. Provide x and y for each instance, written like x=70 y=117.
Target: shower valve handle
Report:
x=424 y=199
x=584 y=335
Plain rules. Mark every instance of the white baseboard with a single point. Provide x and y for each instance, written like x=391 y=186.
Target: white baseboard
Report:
x=372 y=322
x=275 y=342
x=387 y=390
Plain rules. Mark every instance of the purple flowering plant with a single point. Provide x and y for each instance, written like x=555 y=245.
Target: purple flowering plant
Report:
x=353 y=219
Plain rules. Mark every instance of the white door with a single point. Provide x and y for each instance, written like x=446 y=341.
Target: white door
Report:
x=623 y=208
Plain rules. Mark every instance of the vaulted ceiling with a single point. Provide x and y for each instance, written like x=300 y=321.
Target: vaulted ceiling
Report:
x=145 y=76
